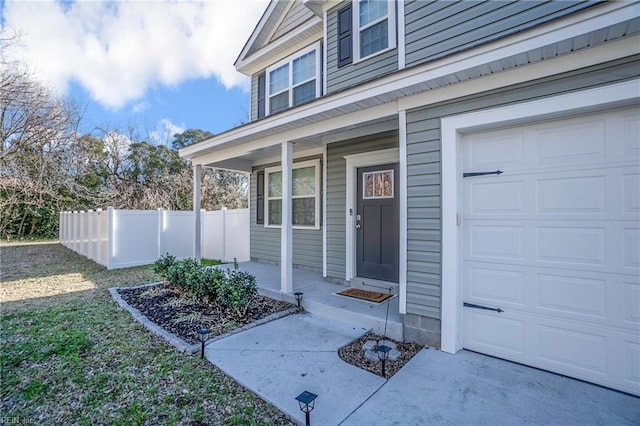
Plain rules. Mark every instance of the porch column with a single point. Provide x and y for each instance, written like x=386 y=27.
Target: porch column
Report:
x=197 y=245
x=286 y=234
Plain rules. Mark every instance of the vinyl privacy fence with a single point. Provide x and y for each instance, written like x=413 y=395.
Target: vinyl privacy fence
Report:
x=123 y=238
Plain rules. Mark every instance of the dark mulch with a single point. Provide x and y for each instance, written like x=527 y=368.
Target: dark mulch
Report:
x=182 y=315
x=353 y=354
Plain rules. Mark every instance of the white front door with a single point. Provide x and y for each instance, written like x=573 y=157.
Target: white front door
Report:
x=554 y=242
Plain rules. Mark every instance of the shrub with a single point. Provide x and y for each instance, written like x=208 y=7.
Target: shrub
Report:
x=179 y=275
x=205 y=282
x=162 y=265
x=238 y=291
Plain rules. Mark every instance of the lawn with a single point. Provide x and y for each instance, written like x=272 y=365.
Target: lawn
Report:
x=70 y=355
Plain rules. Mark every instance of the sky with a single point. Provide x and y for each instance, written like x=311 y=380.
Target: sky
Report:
x=157 y=65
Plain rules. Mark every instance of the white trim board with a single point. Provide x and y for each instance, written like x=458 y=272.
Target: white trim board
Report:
x=601 y=98
x=354 y=161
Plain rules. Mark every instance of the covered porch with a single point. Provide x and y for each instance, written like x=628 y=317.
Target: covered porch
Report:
x=320 y=297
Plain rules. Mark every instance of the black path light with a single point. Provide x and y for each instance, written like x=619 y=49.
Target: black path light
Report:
x=383 y=354
x=298 y=295
x=306 y=401
x=203 y=336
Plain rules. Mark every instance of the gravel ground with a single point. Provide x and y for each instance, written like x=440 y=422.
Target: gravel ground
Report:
x=353 y=354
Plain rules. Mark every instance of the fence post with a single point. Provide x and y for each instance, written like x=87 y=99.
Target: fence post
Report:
x=75 y=231
x=89 y=226
x=223 y=210
x=202 y=233
x=161 y=225
x=99 y=236
x=110 y=236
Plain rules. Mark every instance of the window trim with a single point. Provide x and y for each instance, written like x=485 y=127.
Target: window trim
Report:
x=356 y=30
x=299 y=165
x=289 y=60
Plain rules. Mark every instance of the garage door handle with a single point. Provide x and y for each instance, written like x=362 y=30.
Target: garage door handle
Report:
x=471 y=174
x=486 y=308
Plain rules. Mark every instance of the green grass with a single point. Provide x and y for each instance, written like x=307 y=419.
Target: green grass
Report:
x=70 y=355
x=210 y=262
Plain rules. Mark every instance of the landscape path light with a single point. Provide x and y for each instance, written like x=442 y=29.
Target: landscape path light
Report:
x=306 y=402
x=383 y=354
x=298 y=295
x=203 y=336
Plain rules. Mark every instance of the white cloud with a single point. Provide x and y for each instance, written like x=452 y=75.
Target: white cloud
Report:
x=164 y=131
x=116 y=50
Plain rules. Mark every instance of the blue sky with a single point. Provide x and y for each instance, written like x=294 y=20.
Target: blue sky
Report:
x=160 y=66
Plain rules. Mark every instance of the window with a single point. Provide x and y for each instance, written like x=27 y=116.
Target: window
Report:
x=305 y=195
x=294 y=81
x=375 y=23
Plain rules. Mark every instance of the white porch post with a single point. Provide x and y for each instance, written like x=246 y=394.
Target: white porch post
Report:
x=286 y=233
x=197 y=217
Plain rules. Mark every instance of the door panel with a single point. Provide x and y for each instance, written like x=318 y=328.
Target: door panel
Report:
x=377 y=235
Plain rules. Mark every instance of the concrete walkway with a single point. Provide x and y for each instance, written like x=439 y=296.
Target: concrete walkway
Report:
x=280 y=359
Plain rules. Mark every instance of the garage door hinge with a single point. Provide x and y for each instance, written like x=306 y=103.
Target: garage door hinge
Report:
x=486 y=308
x=471 y=174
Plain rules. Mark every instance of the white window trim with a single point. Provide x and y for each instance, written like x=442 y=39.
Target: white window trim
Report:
x=355 y=18
x=289 y=60
x=300 y=165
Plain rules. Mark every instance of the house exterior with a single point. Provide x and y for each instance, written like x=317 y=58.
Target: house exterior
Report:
x=481 y=158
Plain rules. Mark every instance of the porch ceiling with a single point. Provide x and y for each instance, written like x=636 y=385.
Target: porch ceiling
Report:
x=373 y=105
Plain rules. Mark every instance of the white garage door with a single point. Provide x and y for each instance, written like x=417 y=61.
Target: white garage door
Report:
x=554 y=242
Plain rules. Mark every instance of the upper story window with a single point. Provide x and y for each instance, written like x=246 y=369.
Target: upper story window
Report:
x=365 y=29
x=294 y=81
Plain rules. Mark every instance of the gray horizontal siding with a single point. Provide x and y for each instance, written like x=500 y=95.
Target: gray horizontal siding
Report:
x=351 y=75
x=297 y=15
x=265 y=242
x=336 y=194
x=424 y=237
x=437 y=29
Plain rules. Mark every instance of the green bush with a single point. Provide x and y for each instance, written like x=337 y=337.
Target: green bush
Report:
x=180 y=274
x=162 y=265
x=233 y=290
x=238 y=291
x=205 y=282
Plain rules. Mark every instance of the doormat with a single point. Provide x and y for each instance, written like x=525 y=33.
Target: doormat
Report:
x=371 y=296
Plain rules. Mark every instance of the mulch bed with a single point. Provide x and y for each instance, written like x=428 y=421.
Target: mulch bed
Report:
x=182 y=316
x=354 y=355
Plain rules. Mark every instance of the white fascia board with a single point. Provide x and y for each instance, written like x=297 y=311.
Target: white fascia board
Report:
x=263 y=19
x=587 y=21
x=236 y=150
x=262 y=58
x=600 y=98
x=582 y=59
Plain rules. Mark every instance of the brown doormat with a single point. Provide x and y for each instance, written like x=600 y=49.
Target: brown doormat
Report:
x=371 y=296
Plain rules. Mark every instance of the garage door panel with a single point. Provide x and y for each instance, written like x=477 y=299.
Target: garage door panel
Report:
x=496 y=242
x=484 y=328
x=571 y=195
x=485 y=202
x=572 y=349
x=554 y=242
x=631 y=248
x=574 y=245
x=558 y=293
x=502 y=149
x=577 y=141
x=494 y=286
